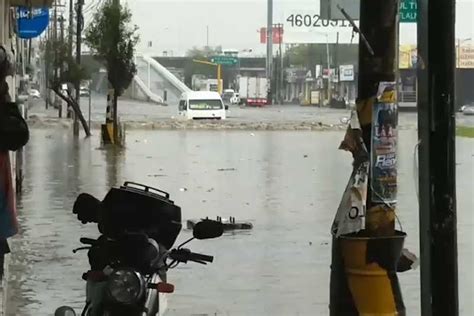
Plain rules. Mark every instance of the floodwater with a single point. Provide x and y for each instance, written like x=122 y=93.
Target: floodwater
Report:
x=287 y=183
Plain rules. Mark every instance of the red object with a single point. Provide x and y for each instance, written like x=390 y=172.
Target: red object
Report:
x=165 y=287
x=277 y=35
x=257 y=102
x=8 y=220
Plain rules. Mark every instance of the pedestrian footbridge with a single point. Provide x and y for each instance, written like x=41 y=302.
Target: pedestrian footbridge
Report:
x=155 y=83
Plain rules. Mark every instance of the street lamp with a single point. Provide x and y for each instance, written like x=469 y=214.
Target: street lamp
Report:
x=460 y=41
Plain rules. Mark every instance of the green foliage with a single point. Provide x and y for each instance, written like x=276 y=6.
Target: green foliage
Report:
x=465 y=131
x=57 y=56
x=316 y=54
x=204 y=52
x=113 y=41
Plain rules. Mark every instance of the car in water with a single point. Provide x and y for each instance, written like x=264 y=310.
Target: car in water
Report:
x=35 y=94
x=468 y=109
x=230 y=97
x=84 y=92
x=202 y=105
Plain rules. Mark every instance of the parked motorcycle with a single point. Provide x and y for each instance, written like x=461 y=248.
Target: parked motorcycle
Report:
x=128 y=262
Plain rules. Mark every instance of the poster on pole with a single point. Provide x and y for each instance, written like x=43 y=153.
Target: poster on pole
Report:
x=383 y=169
x=350 y=216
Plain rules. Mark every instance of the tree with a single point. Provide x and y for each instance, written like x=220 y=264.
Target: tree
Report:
x=57 y=57
x=113 y=41
x=204 y=52
x=191 y=68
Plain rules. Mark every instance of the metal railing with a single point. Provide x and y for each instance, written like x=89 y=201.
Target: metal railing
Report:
x=407 y=96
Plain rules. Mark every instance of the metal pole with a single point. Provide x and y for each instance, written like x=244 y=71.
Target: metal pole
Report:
x=79 y=19
x=55 y=41
x=219 y=78
x=437 y=160
x=90 y=101
x=269 y=50
x=329 y=70
x=60 y=106
x=207 y=35
x=280 y=92
x=71 y=25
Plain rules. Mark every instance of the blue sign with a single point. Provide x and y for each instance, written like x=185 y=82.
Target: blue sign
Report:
x=31 y=25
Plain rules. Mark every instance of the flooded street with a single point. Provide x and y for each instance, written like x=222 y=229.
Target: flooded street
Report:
x=287 y=183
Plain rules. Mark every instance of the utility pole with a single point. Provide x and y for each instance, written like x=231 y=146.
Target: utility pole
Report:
x=269 y=50
x=70 y=42
x=71 y=26
x=55 y=41
x=61 y=68
x=336 y=65
x=79 y=26
x=437 y=160
x=365 y=263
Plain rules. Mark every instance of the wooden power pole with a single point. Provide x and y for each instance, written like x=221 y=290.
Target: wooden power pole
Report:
x=364 y=264
x=437 y=158
x=77 y=87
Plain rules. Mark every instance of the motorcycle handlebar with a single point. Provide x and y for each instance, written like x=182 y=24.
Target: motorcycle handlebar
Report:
x=200 y=257
x=185 y=255
x=88 y=241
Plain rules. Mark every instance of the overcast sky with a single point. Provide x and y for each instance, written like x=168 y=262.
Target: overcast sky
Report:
x=177 y=25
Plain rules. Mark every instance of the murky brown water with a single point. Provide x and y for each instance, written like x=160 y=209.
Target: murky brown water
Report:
x=280 y=268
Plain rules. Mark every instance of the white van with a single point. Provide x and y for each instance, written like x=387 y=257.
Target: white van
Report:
x=201 y=105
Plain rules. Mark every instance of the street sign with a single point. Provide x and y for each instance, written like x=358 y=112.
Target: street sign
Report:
x=408 y=11
x=225 y=60
x=346 y=72
x=32 y=25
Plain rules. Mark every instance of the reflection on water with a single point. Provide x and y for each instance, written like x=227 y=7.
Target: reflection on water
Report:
x=287 y=183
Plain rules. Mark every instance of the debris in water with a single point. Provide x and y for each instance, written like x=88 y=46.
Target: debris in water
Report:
x=310 y=243
x=252 y=134
x=210 y=190
x=229 y=224
x=183 y=189
x=305 y=156
x=156 y=175
x=226 y=169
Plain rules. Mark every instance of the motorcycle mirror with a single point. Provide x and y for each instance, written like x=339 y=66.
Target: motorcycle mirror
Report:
x=86 y=207
x=64 y=311
x=208 y=229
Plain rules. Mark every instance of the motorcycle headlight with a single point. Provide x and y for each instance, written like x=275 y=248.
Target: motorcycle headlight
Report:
x=125 y=286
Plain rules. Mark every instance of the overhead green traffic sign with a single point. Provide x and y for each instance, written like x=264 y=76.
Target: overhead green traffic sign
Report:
x=408 y=11
x=225 y=60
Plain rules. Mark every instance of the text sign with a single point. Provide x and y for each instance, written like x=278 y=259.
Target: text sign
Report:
x=225 y=60
x=31 y=25
x=408 y=11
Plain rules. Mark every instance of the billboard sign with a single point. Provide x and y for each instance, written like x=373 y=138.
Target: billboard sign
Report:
x=465 y=57
x=346 y=73
x=308 y=26
x=408 y=11
x=32 y=24
x=277 y=35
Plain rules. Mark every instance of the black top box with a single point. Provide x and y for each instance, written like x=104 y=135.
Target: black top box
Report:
x=138 y=208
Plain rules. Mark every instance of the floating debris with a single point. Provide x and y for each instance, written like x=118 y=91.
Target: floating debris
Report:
x=229 y=224
x=226 y=169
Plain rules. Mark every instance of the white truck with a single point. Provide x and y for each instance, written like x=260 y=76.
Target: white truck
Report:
x=253 y=91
